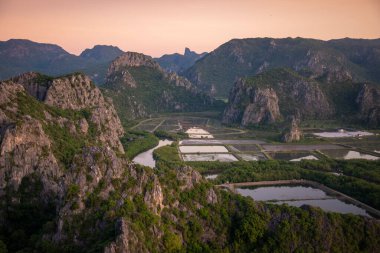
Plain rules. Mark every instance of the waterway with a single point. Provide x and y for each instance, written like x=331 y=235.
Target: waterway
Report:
x=146 y=158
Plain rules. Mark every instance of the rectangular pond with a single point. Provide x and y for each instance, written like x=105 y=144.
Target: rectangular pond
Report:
x=299 y=195
x=293 y=156
x=203 y=149
x=244 y=148
x=252 y=157
x=211 y=176
x=210 y=142
x=299 y=147
x=343 y=134
x=209 y=157
x=346 y=154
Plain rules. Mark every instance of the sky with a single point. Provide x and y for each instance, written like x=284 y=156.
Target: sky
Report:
x=156 y=27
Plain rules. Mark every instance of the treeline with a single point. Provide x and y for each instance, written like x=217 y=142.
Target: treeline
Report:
x=356 y=178
x=239 y=224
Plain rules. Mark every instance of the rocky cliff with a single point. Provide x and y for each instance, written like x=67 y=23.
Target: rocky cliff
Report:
x=63 y=149
x=292 y=132
x=368 y=101
x=262 y=106
x=66 y=186
x=328 y=61
x=272 y=95
x=34 y=131
x=140 y=87
x=18 y=56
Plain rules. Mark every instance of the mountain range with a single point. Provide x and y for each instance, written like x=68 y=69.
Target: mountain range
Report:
x=18 y=56
x=67 y=186
x=276 y=94
x=326 y=61
x=179 y=63
x=265 y=79
x=139 y=87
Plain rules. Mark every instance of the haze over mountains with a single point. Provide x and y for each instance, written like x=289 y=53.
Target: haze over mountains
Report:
x=328 y=61
x=178 y=62
x=333 y=74
x=18 y=56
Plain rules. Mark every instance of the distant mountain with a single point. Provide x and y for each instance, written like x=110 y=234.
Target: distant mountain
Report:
x=178 y=62
x=140 y=87
x=19 y=56
x=99 y=58
x=328 y=61
x=101 y=53
x=276 y=94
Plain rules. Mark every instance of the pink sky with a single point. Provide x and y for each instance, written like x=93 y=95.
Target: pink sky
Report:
x=156 y=27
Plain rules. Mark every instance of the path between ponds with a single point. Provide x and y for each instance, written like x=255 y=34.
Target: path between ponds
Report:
x=156 y=127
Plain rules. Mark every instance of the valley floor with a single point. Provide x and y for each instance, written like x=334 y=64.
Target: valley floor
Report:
x=260 y=144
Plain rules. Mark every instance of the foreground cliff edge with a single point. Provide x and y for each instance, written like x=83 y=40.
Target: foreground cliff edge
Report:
x=66 y=186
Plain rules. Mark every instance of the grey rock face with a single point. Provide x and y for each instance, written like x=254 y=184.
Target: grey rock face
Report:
x=127 y=240
x=271 y=96
x=212 y=198
x=263 y=108
x=293 y=133
x=188 y=177
x=26 y=149
x=30 y=81
x=132 y=59
x=77 y=92
x=328 y=61
x=368 y=101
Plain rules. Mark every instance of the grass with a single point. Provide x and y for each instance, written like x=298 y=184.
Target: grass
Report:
x=135 y=142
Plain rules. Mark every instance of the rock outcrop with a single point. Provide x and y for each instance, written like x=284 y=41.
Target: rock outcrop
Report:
x=140 y=87
x=127 y=240
x=262 y=109
x=77 y=92
x=260 y=105
x=188 y=177
x=326 y=61
x=34 y=83
x=70 y=144
x=177 y=62
x=293 y=132
x=27 y=126
x=368 y=101
x=270 y=96
x=132 y=59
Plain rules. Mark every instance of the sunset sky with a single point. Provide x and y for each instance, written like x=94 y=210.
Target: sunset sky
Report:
x=156 y=27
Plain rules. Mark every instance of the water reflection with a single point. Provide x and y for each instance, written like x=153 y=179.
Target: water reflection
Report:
x=301 y=195
x=146 y=158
